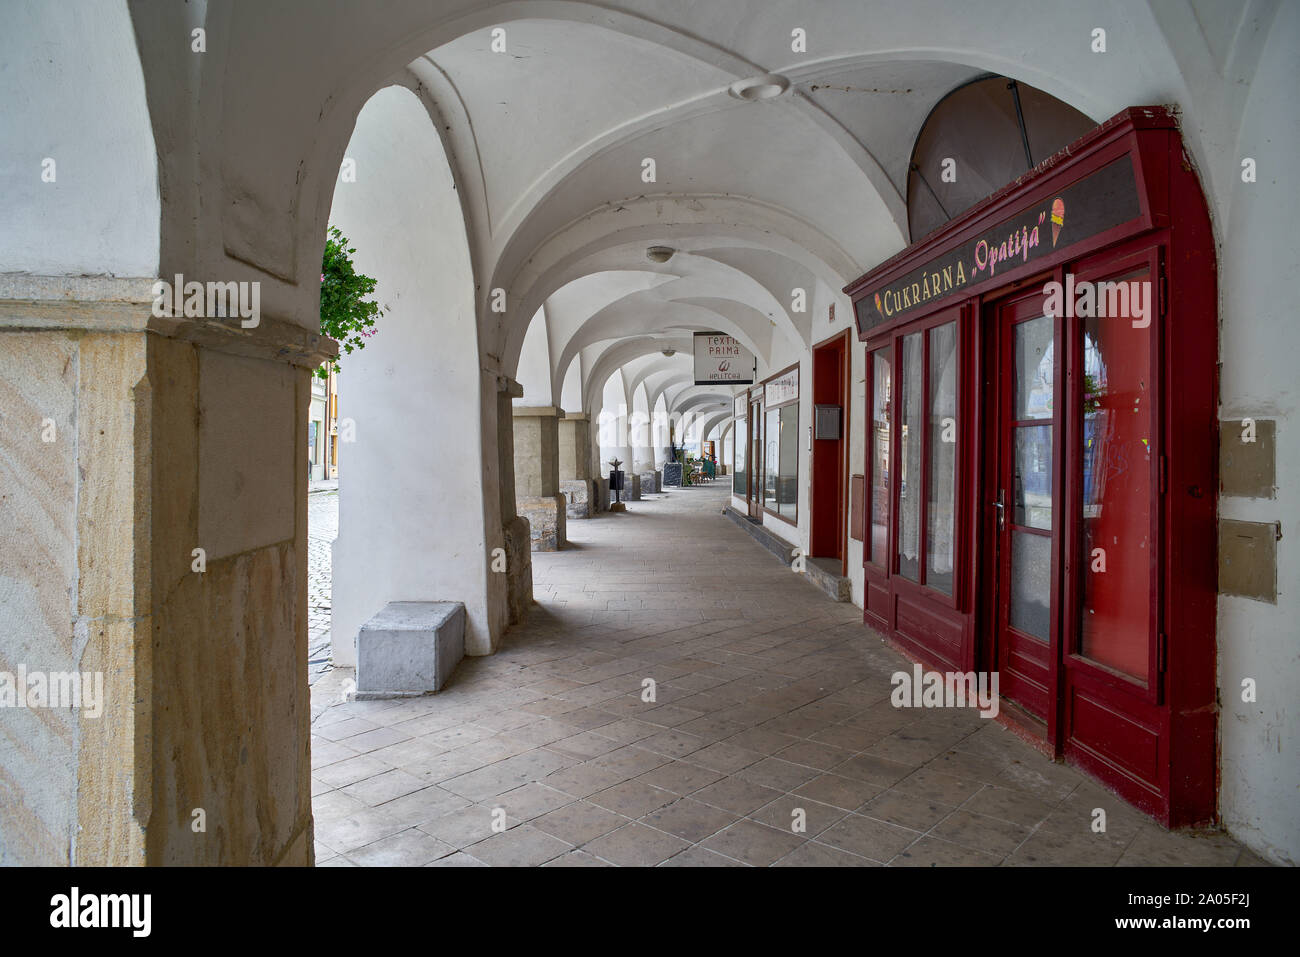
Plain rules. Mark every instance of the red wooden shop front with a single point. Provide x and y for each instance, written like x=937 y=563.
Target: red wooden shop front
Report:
x=1041 y=473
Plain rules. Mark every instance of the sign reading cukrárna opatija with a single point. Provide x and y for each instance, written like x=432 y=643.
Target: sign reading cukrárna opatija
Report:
x=1101 y=200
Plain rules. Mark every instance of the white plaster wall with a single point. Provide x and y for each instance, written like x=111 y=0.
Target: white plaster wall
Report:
x=1259 y=341
x=87 y=112
x=639 y=429
x=534 y=372
x=571 y=392
x=613 y=435
x=411 y=487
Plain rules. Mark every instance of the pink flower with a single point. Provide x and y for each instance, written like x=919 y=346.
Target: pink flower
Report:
x=322 y=277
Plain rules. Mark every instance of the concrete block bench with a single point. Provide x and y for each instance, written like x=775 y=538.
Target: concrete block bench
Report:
x=410 y=648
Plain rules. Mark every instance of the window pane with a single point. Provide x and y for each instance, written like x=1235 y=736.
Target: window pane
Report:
x=941 y=510
x=1031 y=584
x=909 y=489
x=1115 y=613
x=739 y=442
x=771 y=457
x=1034 y=361
x=879 y=463
x=788 y=478
x=1031 y=496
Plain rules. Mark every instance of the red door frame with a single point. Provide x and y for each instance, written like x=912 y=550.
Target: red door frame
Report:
x=828 y=484
x=1172 y=722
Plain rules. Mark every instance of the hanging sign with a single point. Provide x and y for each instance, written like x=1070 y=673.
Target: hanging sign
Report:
x=720 y=358
x=784 y=388
x=1094 y=204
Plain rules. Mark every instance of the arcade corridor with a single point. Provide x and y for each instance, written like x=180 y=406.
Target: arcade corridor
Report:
x=769 y=697
x=980 y=315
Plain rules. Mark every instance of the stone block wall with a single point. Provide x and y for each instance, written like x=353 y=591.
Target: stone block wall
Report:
x=579 y=497
x=519 y=568
x=546 y=515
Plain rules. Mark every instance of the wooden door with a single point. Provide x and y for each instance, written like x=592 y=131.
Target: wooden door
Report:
x=1023 y=440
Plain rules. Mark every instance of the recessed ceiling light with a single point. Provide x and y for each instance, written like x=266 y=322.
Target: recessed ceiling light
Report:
x=659 y=254
x=763 y=87
x=670 y=352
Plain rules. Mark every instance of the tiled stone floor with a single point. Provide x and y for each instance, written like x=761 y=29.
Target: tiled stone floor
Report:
x=770 y=701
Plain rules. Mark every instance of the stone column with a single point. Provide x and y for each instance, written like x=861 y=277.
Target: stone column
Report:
x=154 y=539
x=515 y=529
x=575 y=466
x=537 y=474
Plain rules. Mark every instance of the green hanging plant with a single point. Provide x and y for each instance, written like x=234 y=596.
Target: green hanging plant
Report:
x=346 y=315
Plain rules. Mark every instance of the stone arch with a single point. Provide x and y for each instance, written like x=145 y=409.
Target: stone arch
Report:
x=413 y=392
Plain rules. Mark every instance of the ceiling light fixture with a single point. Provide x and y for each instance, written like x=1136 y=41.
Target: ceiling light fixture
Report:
x=670 y=352
x=659 y=254
x=764 y=87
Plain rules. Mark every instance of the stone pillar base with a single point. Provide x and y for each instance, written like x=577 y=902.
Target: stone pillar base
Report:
x=580 y=498
x=519 y=569
x=631 y=487
x=602 y=493
x=545 y=514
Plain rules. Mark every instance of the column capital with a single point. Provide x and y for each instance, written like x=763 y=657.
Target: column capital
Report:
x=92 y=304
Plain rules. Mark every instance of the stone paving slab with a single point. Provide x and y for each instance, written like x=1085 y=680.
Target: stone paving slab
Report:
x=771 y=710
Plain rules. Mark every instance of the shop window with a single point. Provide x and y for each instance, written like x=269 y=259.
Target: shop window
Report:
x=928 y=448
x=1117 y=541
x=909 y=479
x=740 y=477
x=787 y=480
x=879 y=464
x=781 y=484
x=781 y=445
x=942 y=503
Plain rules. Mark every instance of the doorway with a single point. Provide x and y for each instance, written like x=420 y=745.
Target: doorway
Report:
x=829 y=481
x=1022 y=443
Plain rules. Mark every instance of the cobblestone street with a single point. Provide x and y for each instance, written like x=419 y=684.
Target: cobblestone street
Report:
x=322 y=529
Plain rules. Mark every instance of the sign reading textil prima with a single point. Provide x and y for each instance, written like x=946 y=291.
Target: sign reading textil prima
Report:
x=721 y=358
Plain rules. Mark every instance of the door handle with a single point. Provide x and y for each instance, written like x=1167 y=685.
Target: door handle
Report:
x=1002 y=510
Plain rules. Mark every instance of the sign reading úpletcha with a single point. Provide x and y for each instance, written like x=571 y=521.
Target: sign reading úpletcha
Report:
x=720 y=358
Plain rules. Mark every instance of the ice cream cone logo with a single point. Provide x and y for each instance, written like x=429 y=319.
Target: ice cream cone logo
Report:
x=1058 y=218
x=879 y=308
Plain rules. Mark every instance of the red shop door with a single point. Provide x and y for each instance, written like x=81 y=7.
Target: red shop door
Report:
x=1023 y=448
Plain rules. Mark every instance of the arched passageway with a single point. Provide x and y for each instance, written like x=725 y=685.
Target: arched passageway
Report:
x=556 y=198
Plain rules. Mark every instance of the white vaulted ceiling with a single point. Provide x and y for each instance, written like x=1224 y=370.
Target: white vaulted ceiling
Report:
x=547 y=140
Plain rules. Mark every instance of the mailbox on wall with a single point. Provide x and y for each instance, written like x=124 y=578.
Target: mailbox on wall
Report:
x=826 y=421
